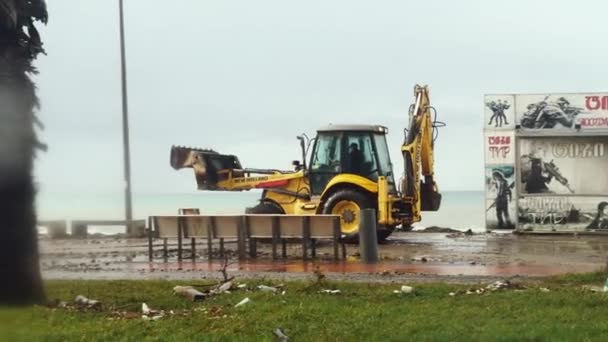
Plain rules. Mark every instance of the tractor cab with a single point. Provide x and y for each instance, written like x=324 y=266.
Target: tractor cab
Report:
x=354 y=149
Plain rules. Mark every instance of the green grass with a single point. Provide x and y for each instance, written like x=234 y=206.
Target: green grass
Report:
x=369 y=312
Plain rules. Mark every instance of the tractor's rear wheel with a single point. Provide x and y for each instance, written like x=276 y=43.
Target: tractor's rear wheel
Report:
x=347 y=203
x=265 y=207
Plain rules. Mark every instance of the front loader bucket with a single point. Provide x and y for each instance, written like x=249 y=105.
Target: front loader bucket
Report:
x=209 y=166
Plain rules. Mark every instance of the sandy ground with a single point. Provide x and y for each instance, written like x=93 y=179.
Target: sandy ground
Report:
x=412 y=256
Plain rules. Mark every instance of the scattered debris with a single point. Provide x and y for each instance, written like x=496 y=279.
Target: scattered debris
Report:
x=243 y=302
x=504 y=284
x=593 y=288
x=421 y=259
x=407 y=289
x=320 y=276
x=149 y=314
x=242 y=286
x=265 y=288
x=224 y=269
x=189 y=292
x=495 y=286
x=544 y=289
x=83 y=301
x=404 y=289
x=435 y=229
x=330 y=291
x=225 y=287
x=282 y=337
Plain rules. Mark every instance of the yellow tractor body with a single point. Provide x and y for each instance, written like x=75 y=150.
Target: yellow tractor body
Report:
x=348 y=169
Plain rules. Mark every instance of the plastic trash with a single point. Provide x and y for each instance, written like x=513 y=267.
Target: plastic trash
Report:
x=243 y=302
x=331 y=291
x=267 y=288
x=407 y=289
x=225 y=287
x=84 y=301
x=282 y=337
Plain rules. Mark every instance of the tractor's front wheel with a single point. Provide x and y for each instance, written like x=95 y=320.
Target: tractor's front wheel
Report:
x=347 y=203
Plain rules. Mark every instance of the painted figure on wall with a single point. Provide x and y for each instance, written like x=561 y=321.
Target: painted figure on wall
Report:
x=503 y=197
x=550 y=114
x=498 y=112
x=601 y=219
x=537 y=173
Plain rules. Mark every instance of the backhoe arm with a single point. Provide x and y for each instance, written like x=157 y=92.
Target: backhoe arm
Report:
x=221 y=172
x=418 y=157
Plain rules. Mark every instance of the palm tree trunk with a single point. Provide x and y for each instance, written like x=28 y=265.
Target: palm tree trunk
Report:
x=20 y=279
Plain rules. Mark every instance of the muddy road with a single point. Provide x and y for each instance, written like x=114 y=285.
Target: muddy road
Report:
x=412 y=256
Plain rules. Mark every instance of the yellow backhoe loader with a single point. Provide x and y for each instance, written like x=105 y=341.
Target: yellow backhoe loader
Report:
x=349 y=170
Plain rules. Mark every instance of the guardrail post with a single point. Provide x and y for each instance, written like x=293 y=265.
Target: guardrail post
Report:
x=180 y=234
x=150 y=249
x=210 y=234
x=368 y=238
x=275 y=236
x=193 y=242
x=241 y=229
x=336 y=231
x=165 y=249
x=305 y=236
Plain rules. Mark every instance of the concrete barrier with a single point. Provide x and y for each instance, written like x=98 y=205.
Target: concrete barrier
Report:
x=56 y=229
x=79 y=228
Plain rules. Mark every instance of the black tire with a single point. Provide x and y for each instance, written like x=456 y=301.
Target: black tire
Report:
x=384 y=233
x=360 y=198
x=406 y=228
x=265 y=208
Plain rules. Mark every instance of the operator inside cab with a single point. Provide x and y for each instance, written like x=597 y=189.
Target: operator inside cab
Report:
x=355 y=159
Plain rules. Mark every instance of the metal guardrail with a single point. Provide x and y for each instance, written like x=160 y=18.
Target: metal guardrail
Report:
x=247 y=230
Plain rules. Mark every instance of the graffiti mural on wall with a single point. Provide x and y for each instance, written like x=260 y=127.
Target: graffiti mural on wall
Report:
x=563 y=213
x=500 y=203
x=500 y=147
x=562 y=111
x=566 y=165
x=499 y=111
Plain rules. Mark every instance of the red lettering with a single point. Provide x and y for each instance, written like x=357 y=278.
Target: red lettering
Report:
x=595 y=102
x=594 y=122
x=499 y=140
x=592 y=102
x=499 y=152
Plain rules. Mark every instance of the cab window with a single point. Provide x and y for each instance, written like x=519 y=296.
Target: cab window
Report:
x=360 y=159
x=326 y=156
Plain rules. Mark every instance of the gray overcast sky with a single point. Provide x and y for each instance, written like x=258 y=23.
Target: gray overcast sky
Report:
x=245 y=77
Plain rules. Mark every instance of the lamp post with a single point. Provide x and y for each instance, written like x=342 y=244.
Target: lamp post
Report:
x=125 y=124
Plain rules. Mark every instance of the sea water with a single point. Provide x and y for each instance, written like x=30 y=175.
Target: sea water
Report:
x=460 y=210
